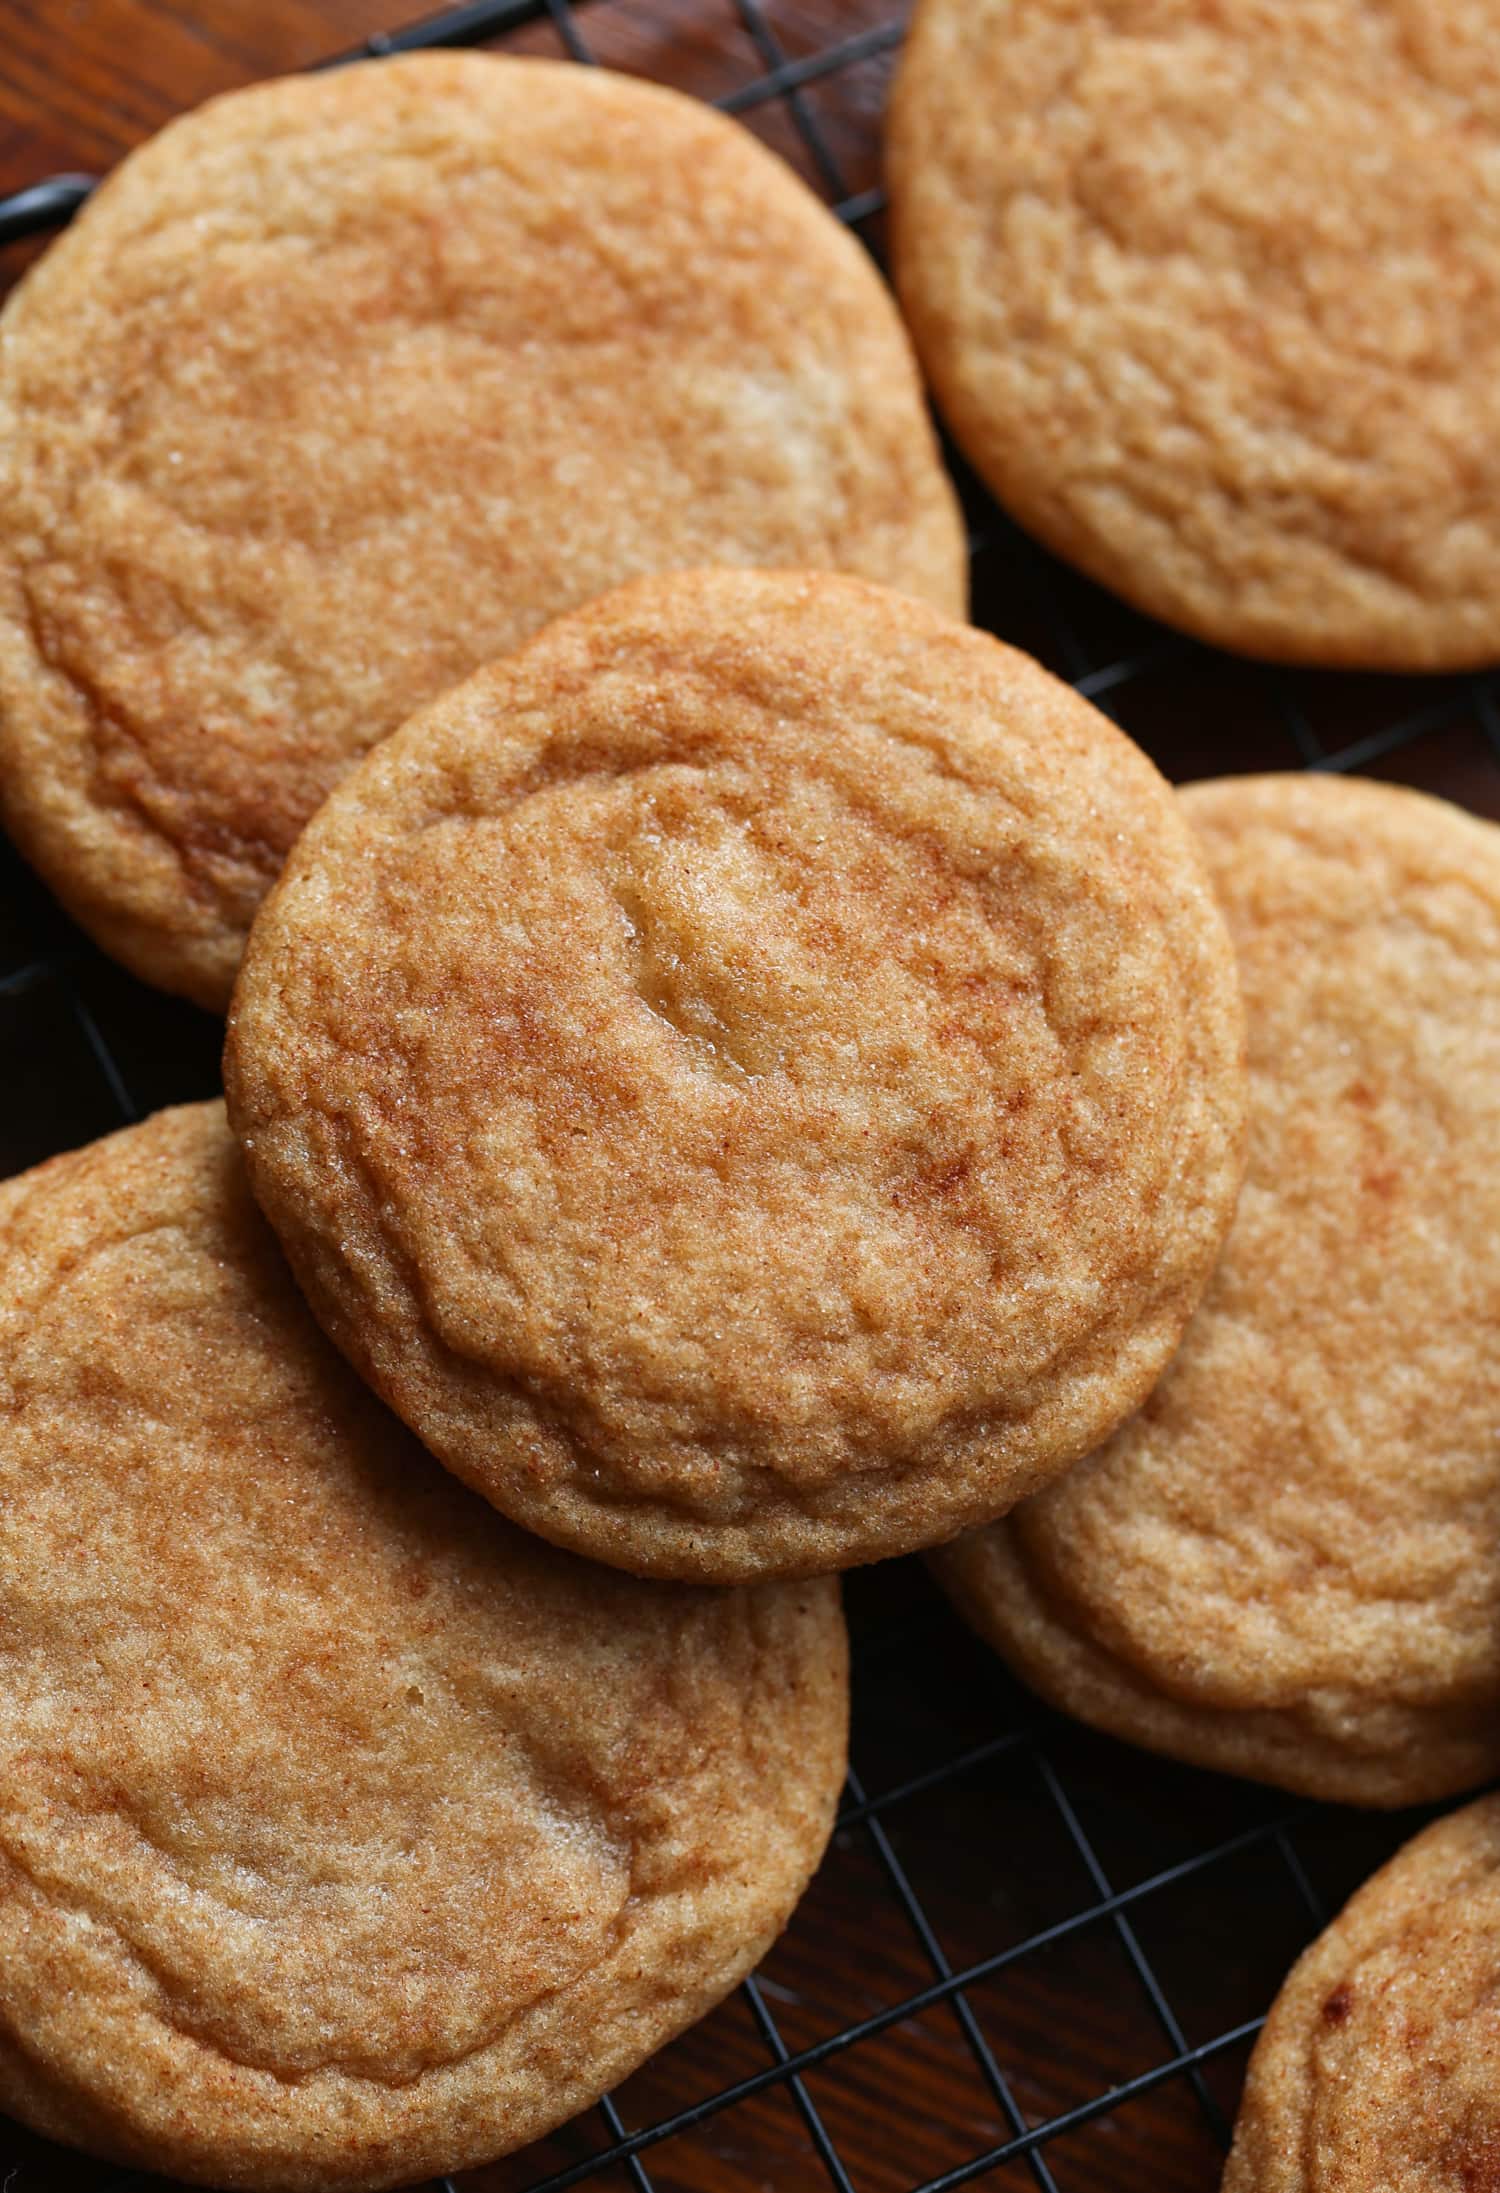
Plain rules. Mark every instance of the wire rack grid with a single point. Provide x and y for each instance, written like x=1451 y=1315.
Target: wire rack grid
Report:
x=1031 y=1959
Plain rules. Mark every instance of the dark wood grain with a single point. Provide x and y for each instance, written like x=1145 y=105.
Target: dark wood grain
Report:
x=980 y=1867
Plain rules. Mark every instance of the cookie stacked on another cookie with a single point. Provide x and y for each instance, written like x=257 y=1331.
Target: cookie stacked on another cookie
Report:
x=754 y=1079
x=1287 y=1564
x=343 y=385
x=753 y=1076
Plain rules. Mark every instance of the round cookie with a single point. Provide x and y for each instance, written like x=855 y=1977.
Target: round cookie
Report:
x=345 y=384
x=347 y=1835
x=1211 y=297
x=754 y=1079
x=1286 y=1565
x=1376 y=2071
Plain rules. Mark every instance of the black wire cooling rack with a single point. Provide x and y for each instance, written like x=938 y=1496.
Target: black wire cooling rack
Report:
x=1032 y=1957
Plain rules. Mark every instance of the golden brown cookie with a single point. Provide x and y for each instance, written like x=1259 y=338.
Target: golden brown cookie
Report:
x=347 y=383
x=1211 y=296
x=1379 y=2068
x=347 y=1834
x=1287 y=1565
x=754 y=1079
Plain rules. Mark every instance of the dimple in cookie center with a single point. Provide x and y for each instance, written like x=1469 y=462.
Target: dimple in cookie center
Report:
x=690 y=914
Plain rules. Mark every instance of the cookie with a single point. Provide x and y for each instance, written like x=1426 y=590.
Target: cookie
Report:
x=1376 y=2071
x=754 y=1080
x=1286 y=1565
x=1211 y=297
x=347 y=1835
x=347 y=383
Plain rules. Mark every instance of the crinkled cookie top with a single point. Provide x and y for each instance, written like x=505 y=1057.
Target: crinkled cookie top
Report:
x=1287 y=1564
x=344 y=384
x=1211 y=295
x=347 y=1834
x=755 y=1080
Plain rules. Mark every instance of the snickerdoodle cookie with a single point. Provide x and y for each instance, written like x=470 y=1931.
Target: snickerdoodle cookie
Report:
x=755 y=1079
x=347 y=1834
x=1211 y=295
x=1288 y=1564
x=1379 y=2068
x=343 y=385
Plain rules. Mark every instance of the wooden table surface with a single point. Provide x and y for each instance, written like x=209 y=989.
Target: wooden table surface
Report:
x=1122 y=1914
x=81 y=81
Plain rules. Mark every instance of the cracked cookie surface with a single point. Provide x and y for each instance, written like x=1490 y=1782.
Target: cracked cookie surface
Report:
x=1211 y=295
x=1286 y=1565
x=754 y=1079
x=343 y=385
x=347 y=1834
x=1379 y=2067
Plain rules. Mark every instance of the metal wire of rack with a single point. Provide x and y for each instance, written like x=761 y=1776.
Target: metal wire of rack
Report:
x=1032 y=1958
